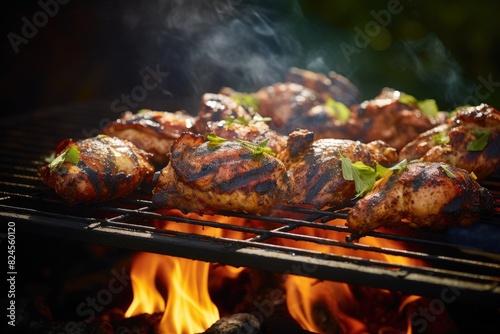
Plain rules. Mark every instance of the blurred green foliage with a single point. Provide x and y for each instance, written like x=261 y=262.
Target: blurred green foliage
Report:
x=461 y=61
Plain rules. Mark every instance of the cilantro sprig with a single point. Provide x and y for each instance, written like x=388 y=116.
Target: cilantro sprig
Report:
x=338 y=110
x=71 y=154
x=428 y=106
x=257 y=149
x=480 y=142
x=243 y=121
x=247 y=101
x=364 y=176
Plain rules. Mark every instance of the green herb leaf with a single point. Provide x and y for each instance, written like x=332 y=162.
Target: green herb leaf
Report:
x=71 y=154
x=447 y=171
x=257 y=149
x=480 y=142
x=338 y=109
x=214 y=140
x=428 y=107
x=441 y=138
x=247 y=101
x=364 y=176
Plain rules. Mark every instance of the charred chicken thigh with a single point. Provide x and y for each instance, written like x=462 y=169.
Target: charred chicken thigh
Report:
x=205 y=177
x=96 y=169
x=388 y=119
x=422 y=195
x=314 y=167
x=470 y=140
x=224 y=117
x=332 y=85
x=151 y=131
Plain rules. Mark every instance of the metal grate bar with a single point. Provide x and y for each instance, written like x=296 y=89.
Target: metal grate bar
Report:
x=421 y=262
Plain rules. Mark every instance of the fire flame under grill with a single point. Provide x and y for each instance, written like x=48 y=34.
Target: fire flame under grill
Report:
x=415 y=262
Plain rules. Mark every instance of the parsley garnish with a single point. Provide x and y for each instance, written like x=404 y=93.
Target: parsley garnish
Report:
x=447 y=171
x=441 y=138
x=242 y=120
x=71 y=154
x=247 y=101
x=480 y=142
x=364 y=176
x=214 y=140
x=257 y=149
x=338 y=109
x=428 y=107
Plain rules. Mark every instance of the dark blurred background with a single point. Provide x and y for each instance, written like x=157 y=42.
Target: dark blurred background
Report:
x=79 y=51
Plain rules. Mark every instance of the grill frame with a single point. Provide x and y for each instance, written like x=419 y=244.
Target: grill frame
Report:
x=126 y=223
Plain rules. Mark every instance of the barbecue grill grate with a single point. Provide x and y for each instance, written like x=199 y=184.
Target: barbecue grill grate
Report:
x=275 y=243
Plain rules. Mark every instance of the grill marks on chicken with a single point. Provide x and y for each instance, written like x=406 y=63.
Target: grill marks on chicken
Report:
x=107 y=168
x=314 y=167
x=423 y=195
x=449 y=142
x=204 y=179
x=151 y=131
x=215 y=117
x=386 y=118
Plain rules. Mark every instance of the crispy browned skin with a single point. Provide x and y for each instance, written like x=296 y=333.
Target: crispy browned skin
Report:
x=108 y=168
x=151 y=131
x=215 y=108
x=285 y=103
x=461 y=129
x=333 y=85
x=385 y=118
x=314 y=167
x=221 y=115
x=421 y=196
x=204 y=180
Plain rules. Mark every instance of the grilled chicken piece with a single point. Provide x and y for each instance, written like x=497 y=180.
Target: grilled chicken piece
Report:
x=105 y=168
x=314 y=167
x=291 y=106
x=449 y=142
x=204 y=179
x=386 y=118
x=221 y=115
x=285 y=103
x=423 y=195
x=218 y=107
x=333 y=85
x=151 y=131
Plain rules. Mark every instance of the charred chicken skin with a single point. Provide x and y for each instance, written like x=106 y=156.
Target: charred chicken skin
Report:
x=333 y=85
x=422 y=195
x=222 y=116
x=204 y=178
x=314 y=167
x=101 y=168
x=151 y=131
x=470 y=140
x=386 y=118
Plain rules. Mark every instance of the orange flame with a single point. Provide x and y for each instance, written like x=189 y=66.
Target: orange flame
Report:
x=188 y=307
x=316 y=306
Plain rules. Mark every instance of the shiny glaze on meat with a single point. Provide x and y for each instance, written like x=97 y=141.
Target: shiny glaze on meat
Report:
x=314 y=167
x=461 y=129
x=204 y=179
x=151 y=131
x=333 y=85
x=108 y=168
x=386 y=118
x=423 y=195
